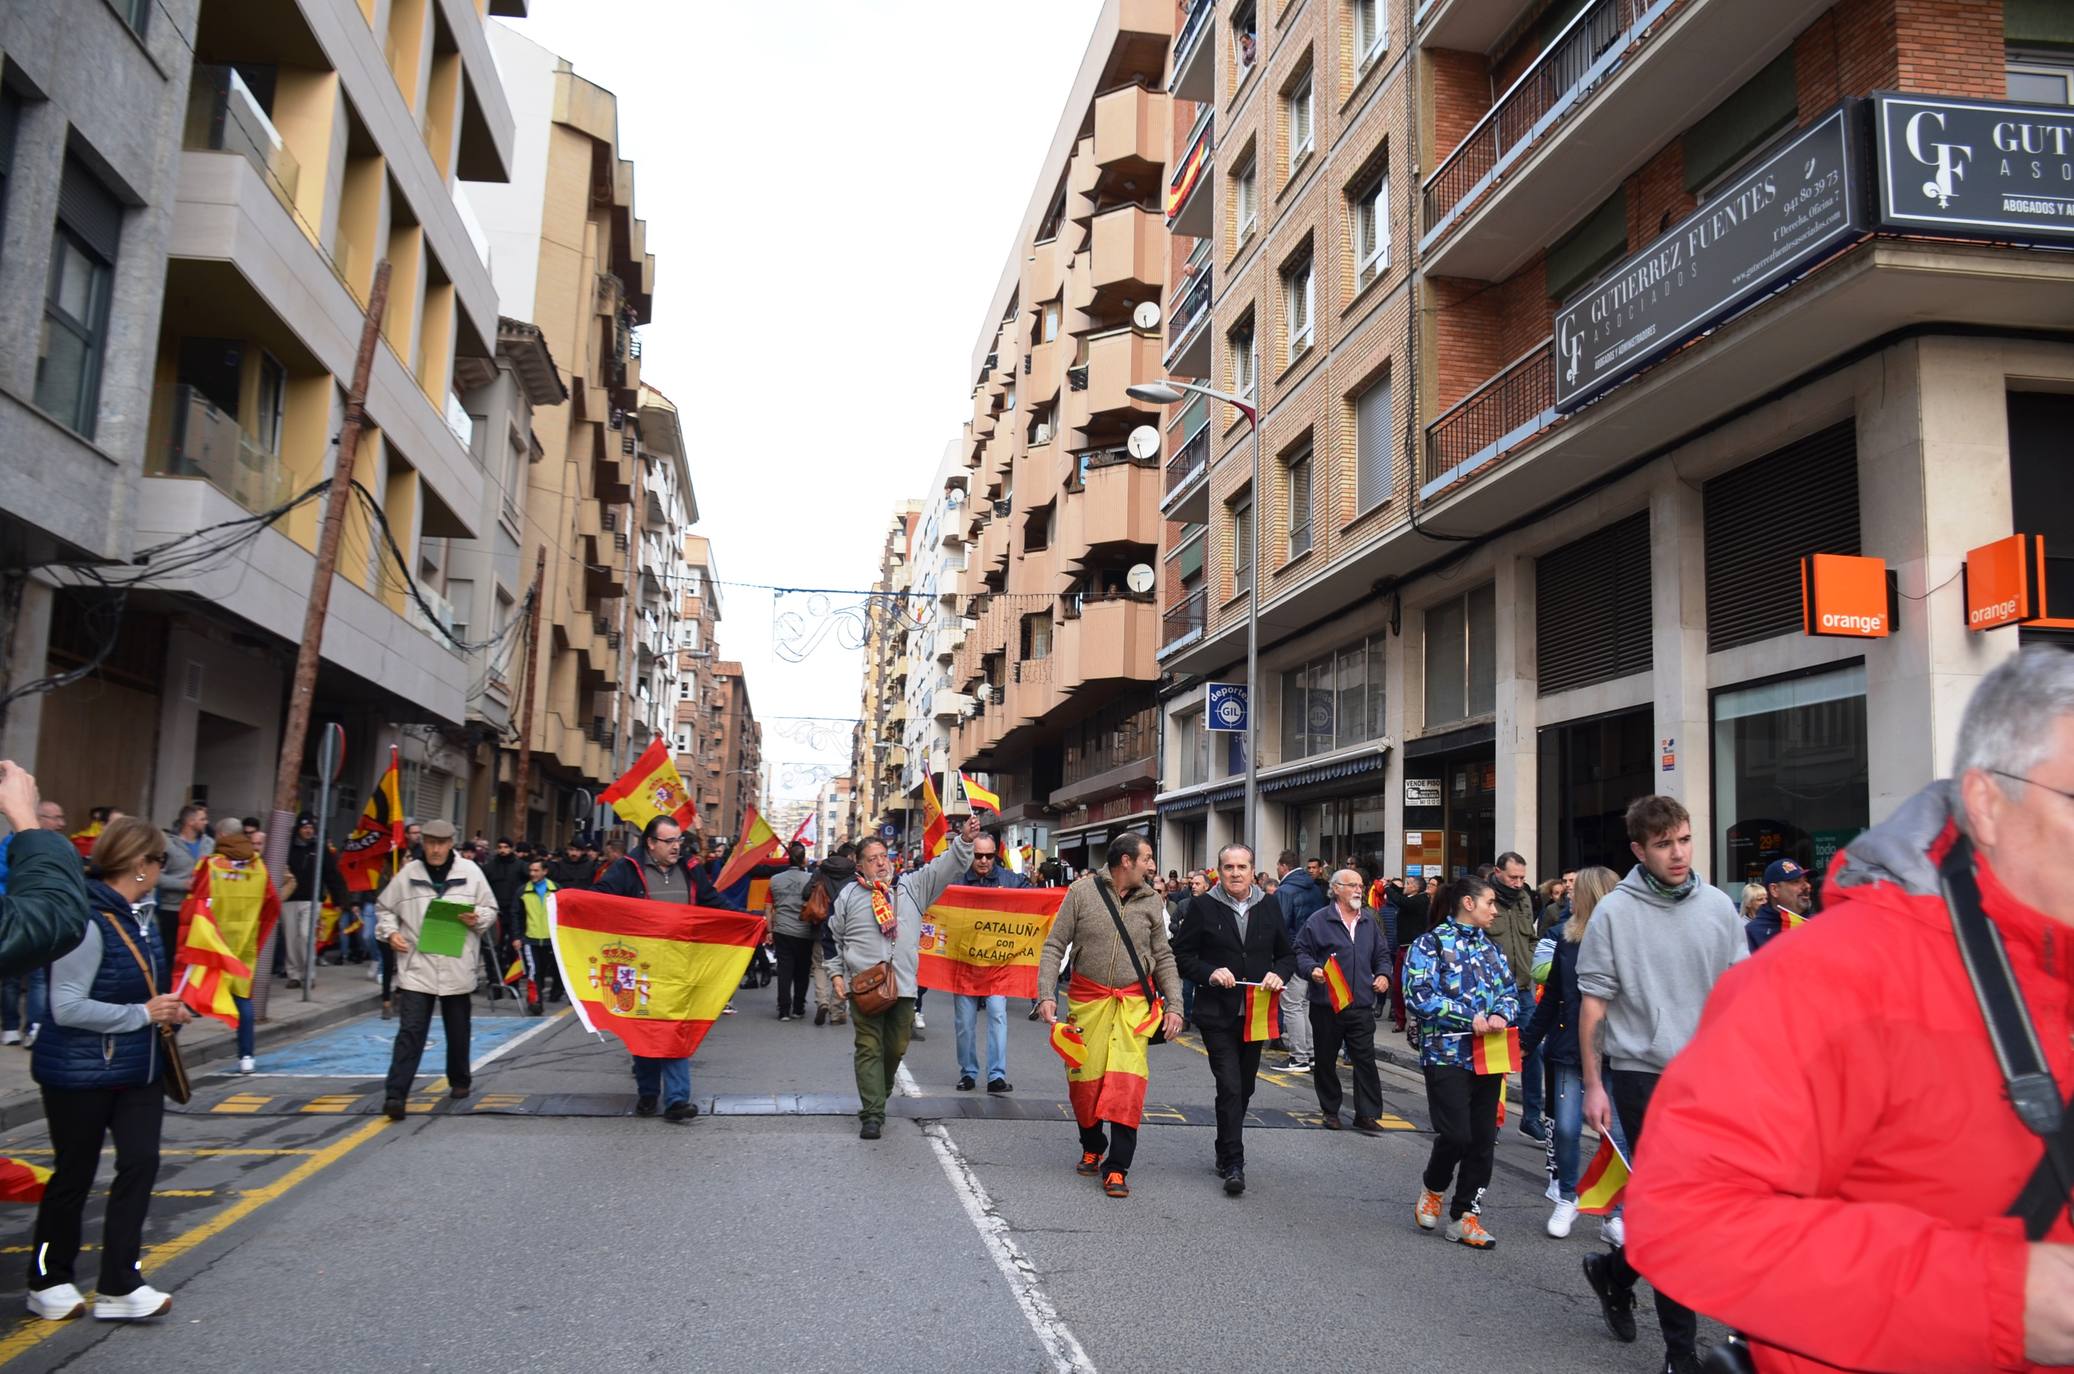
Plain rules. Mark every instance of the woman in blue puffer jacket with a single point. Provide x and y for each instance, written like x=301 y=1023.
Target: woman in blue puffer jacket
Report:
x=99 y=1063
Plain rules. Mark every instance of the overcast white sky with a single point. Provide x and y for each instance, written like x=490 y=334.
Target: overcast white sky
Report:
x=831 y=189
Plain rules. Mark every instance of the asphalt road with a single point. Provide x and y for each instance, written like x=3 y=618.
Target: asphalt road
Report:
x=540 y=1226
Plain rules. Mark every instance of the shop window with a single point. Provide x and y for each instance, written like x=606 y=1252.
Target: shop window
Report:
x=2041 y=489
x=1589 y=771
x=1334 y=701
x=1462 y=657
x=1755 y=540
x=1592 y=611
x=1791 y=773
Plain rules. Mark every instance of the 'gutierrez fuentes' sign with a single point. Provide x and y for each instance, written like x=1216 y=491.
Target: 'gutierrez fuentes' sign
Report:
x=1979 y=169
x=1787 y=211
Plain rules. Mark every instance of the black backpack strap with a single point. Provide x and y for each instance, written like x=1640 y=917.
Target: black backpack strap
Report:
x=2033 y=1093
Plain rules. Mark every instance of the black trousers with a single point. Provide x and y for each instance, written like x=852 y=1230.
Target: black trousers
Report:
x=414 y=1019
x=541 y=966
x=1354 y=1028
x=1235 y=1064
x=1631 y=1092
x=1464 y=1107
x=1122 y=1144
x=795 y=972
x=78 y=1121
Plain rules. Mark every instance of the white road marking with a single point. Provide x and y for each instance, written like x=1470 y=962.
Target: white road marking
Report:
x=1051 y=1330
x=546 y=1023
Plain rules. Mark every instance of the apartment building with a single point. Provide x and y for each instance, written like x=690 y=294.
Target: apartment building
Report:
x=700 y=741
x=835 y=816
x=740 y=756
x=666 y=507
x=891 y=617
x=569 y=255
x=1058 y=655
x=935 y=629
x=1696 y=290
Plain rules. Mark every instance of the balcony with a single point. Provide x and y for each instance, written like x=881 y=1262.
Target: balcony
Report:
x=1130 y=143
x=1466 y=25
x=203 y=441
x=1188 y=326
x=224 y=116
x=1119 y=505
x=1619 y=80
x=1109 y=642
x=1514 y=405
x=1182 y=623
x=1188 y=196
x=1115 y=360
x=1194 y=70
x=1129 y=248
x=1187 y=496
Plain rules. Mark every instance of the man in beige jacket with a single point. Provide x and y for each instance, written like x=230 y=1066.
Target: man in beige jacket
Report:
x=424 y=980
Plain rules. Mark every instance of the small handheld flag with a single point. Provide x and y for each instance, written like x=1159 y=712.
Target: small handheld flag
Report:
x=1604 y=1181
x=515 y=972
x=759 y=845
x=1790 y=920
x=21 y=1181
x=1257 y=1016
x=1497 y=1052
x=1336 y=986
x=936 y=828
x=977 y=797
x=651 y=787
x=1069 y=1043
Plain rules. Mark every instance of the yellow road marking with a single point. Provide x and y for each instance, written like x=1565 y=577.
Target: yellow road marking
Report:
x=200 y=1151
x=32 y=1332
x=242 y=1103
x=492 y=1102
x=331 y=1103
x=1388 y=1121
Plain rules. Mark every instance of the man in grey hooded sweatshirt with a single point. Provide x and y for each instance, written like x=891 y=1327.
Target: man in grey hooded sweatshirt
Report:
x=1656 y=946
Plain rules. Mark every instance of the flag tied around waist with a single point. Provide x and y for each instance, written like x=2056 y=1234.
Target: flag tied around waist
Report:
x=1497 y=1052
x=1257 y=1013
x=985 y=941
x=654 y=974
x=1604 y=1181
x=1336 y=987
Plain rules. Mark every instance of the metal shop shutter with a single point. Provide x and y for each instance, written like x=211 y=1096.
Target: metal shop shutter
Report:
x=1592 y=616
x=1761 y=518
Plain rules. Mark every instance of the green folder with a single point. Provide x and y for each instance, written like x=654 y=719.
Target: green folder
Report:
x=446 y=929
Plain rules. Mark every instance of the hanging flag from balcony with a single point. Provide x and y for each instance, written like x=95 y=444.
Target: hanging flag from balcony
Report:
x=759 y=845
x=652 y=787
x=977 y=797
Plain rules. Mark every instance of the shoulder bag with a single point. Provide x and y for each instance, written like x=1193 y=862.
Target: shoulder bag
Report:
x=176 y=1082
x=875 y=990
x=814 y=910
x=1159 y=1031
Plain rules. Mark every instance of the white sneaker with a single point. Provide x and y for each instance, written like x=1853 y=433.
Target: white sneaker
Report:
x=10 y=1037
x=920 y=1024
x=144 y=1302
x=1560 y=1219
x=245 y=1063
x=58 y=1303
x=1553 y=1192
x=1612 y=1232
x=29 y=1036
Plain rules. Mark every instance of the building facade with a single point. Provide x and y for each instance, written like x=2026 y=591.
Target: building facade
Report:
x=891 y=618
x=700 y=741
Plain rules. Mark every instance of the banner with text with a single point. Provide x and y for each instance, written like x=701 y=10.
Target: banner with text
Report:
x=985 y=941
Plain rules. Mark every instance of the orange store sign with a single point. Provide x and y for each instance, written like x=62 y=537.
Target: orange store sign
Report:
x=1845 y=595
x=2002 y=586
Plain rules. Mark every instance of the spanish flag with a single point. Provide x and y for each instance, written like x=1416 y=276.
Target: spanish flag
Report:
x=376 y=835
x=1109 y=1082
x=21 y=1181
x=1790 y=920
x=1069 y=1044
x=652 y=787
x=1257 y=1014
x=239 y=906
x=515 y=972
x=1496 y=1052
x=936 y=830
x=1605 y=1180
x=204 y=958
x=1336 y=984
x=985 y=941
x=654 y=974
x=759 y=845
x=978 y=797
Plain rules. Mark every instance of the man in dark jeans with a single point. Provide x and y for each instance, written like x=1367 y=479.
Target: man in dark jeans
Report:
x=1654 y=949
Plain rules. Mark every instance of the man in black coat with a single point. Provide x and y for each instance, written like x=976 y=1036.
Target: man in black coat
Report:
x=1232 y=934
x=572 y=870
x=506 y=872
x=662 y=873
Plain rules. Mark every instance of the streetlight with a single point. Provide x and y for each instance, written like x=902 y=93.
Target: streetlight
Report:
x=1165 y=394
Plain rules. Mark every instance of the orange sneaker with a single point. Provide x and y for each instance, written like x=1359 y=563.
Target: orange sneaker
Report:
x=1114 y=1184
x=1427 y=1212
x=1467 y=1229
x=1090 y=1164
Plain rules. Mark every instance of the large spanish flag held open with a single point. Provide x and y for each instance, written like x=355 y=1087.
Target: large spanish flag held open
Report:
x=652 y=787
x=654 y=974
x=985 y=941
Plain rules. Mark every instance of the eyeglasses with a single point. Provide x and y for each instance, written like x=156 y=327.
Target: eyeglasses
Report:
x=2018 y=777
x=159 y=859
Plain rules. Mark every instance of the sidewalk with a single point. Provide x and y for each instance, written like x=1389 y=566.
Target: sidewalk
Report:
x=339 y=995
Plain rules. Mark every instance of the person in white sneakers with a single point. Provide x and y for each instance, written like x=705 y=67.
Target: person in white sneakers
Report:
x=99 y=1063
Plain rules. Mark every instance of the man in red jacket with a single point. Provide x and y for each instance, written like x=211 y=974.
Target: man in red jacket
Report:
x=1833 y=1160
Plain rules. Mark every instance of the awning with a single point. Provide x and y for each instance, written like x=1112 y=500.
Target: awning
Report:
x=1368 y=762
x=1188 y=803
x=1099 y=831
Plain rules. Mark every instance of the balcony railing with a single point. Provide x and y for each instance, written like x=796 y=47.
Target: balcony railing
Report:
x=1192 y=30
x=1193 y=166
x=1518 y=402
x=203 y=441
x=1184 y=618
x=1584 y=53
x=1191 y=311
x=224 y=116
x=1189 y=459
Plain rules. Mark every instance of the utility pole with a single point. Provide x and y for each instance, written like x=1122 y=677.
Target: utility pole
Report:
x=521 y=802
x=296 y=733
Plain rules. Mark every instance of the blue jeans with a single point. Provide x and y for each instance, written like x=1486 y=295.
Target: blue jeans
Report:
x=1569 y=1127
x=244 y=1026
x=1530 y=1073
x=668 y=1078
x=36 y=985
x=967 y=1018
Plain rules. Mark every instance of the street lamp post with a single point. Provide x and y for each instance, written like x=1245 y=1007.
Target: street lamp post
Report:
x=1166 y=393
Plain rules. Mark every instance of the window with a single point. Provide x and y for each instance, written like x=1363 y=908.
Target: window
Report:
x=1044 y=423
x=1047 y=321
x=1242 y=543
x=1296 y=296
x=1369 y=207
x=75 y=313
x=136 y=13
x=460 y=595
x=1008 y=398
x=1245 y=195
x=1462 y=657
x=1037 y=636
x=1715 y=147
x=2042 y=78
x=688 y=636
x=1245 y=41
x=1792 y=772
x=1578 y=256
x=1297 y=483
x=1334 y=701
x=1245 y=359
x=1037 y=528
x=1372 y=446
x=1365 y=23
x=10 y=117
x=1296 y=108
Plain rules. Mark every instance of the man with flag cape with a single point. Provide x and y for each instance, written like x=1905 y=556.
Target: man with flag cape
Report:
x=235 y=896
x=1116 y=925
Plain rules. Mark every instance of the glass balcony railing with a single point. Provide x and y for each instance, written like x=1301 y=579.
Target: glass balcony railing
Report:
x=224 y=116
x=204 y=441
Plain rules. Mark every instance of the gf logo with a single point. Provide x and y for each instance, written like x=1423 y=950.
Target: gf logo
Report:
x=1948 y=160
x=1571 y=349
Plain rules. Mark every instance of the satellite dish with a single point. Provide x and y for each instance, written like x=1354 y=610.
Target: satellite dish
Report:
x=1146 y=316
x=1144 y=442
x=1140 y=578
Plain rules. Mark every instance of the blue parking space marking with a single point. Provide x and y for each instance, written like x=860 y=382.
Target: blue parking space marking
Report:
x=360 y=1049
